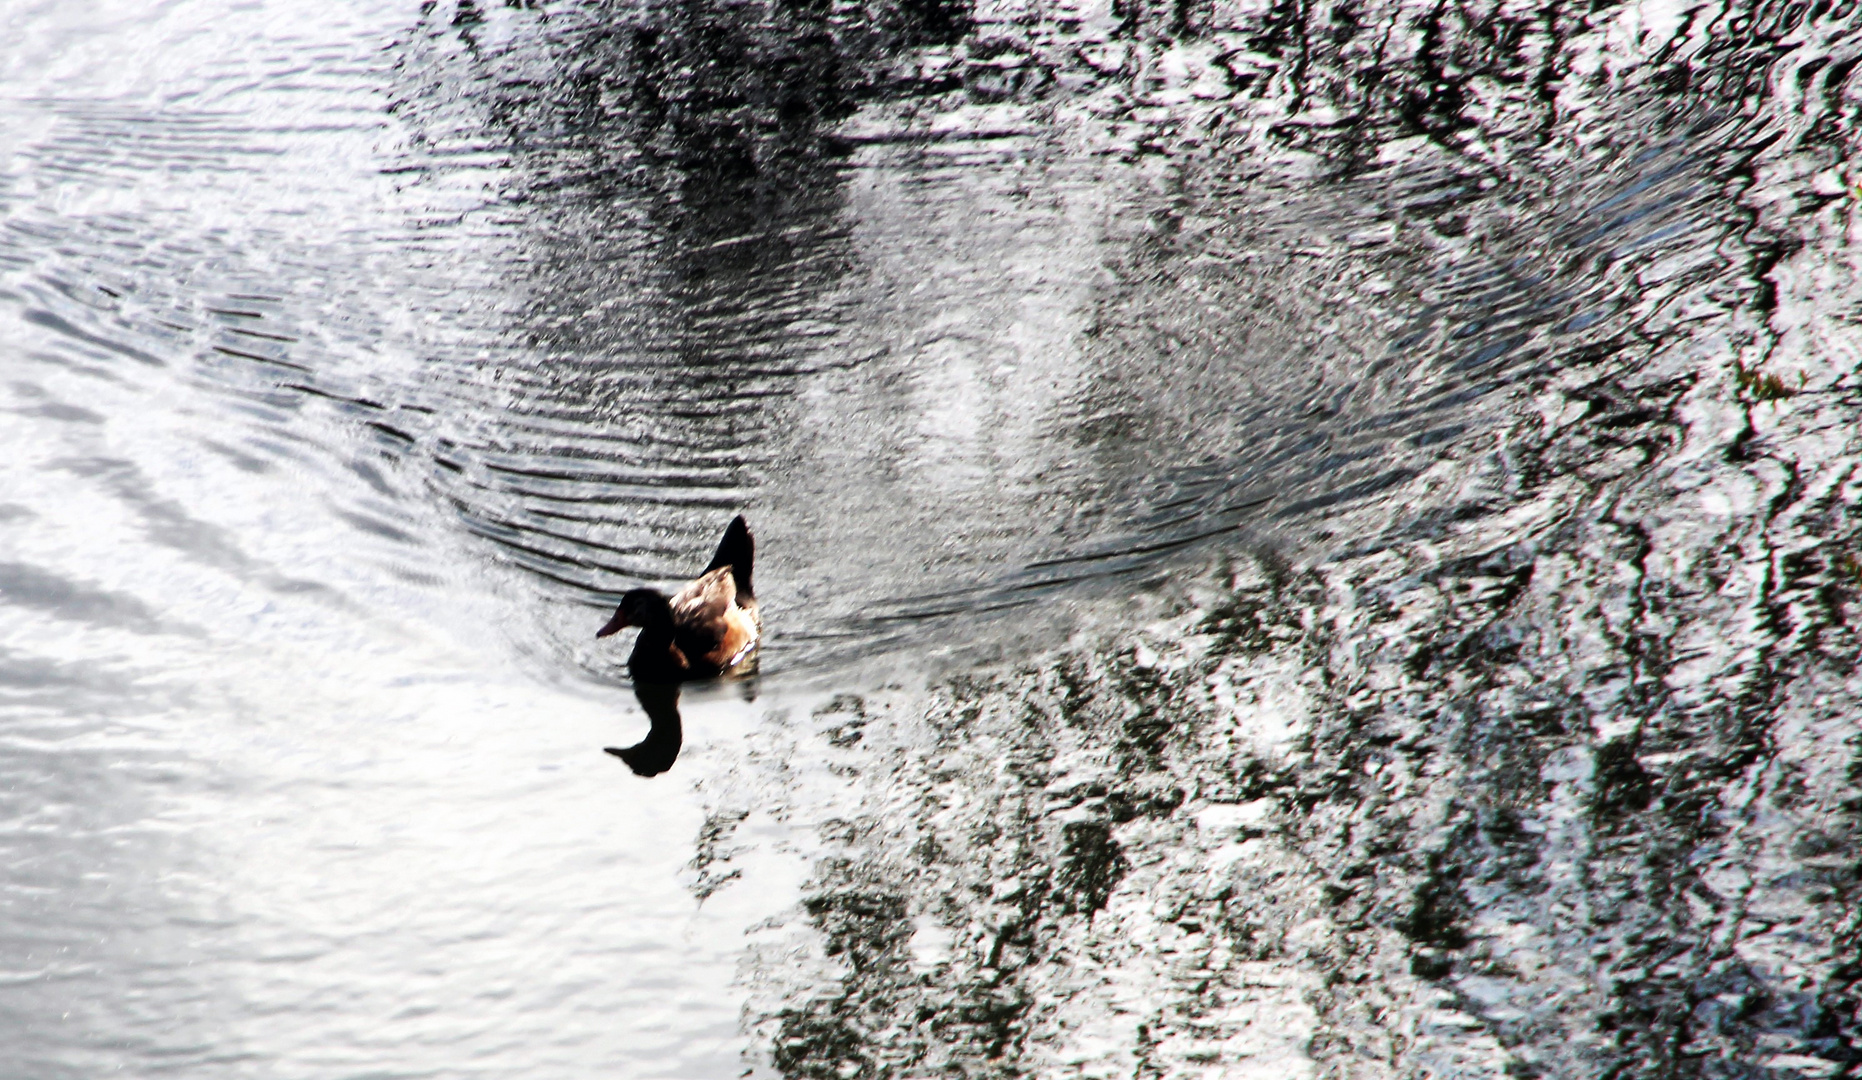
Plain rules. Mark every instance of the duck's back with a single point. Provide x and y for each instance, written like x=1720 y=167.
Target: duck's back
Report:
x=710 y=626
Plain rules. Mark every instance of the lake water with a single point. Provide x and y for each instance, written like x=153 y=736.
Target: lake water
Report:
x=357 y=356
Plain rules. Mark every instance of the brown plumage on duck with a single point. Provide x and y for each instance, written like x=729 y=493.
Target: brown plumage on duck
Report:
x=709 y=628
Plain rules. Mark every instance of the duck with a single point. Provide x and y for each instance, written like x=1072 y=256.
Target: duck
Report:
x=709 y=628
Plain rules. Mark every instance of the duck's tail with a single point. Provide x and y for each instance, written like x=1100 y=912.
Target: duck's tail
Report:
x=738 y=551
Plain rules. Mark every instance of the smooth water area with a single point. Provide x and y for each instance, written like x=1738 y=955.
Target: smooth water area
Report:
x=357 y=357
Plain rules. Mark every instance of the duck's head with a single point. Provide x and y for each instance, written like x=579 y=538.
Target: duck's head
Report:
x=639 y=607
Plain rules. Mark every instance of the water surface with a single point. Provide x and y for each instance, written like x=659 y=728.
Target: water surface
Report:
x=358 y=355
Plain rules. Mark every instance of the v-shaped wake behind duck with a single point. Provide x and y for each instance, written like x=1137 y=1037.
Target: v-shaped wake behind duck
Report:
x=707 y=629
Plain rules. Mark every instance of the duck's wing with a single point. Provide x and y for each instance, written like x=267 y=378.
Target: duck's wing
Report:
x=737 y=550
x=710 y=625
x=705 y=599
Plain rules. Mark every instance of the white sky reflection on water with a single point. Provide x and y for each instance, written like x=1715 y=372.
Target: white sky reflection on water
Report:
x=268 y=788
x=280 y=797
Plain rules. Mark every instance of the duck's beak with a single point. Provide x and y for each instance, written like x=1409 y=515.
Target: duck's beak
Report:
x=619 y=622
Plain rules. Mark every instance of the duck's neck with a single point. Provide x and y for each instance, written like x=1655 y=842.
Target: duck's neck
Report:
x=652 y=656
x=656 y=618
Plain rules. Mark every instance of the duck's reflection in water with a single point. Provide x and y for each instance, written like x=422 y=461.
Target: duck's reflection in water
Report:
x=655 y=753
